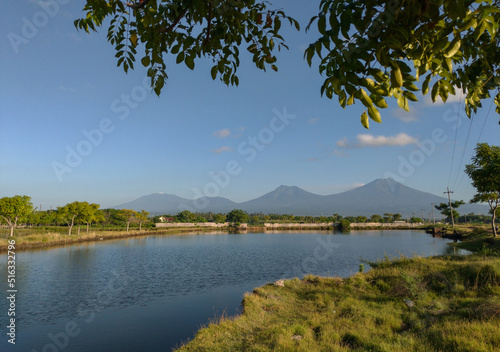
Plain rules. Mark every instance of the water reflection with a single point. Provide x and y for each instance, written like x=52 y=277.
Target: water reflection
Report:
x=151 y=293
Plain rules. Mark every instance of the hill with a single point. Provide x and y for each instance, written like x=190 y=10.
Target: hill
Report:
x=377 y=197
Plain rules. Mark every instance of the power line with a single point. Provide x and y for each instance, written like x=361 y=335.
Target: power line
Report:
x=463 y=154
x=484 y=123
x=454 y=144
x=482 y=128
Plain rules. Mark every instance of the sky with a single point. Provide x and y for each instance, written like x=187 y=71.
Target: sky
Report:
x=74 y=126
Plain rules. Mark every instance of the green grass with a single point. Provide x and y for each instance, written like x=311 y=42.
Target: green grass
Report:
x=456 y=307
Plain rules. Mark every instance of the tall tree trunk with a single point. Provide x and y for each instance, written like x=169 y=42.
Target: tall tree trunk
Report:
x=70 y=227
x=493 y=221
x=140 y=225
x=12 y=230
x=88 y=228
x=128 y=222
x=78 y=233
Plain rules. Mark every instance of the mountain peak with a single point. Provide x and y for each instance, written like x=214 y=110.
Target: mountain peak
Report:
x=377 y=197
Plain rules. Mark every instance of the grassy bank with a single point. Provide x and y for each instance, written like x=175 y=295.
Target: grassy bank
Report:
x=50 y=239
x=449 y=303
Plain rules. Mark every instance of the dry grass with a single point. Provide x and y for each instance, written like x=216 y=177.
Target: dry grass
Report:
x=48 y=239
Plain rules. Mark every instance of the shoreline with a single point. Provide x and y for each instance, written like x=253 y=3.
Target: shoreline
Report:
x=51 y=239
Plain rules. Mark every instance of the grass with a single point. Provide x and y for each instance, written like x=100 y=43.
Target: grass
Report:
x=479 y=239
x=449 y=303
x=39 y=238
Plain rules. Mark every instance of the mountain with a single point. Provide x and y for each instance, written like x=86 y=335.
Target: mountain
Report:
x=283 y=200
x=161 y=203
x=377 y=197
x=386 y=196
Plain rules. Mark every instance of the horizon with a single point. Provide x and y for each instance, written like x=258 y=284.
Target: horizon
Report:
x=90 y=132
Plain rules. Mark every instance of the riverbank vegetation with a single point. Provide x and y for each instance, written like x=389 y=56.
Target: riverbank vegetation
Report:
x=449 y=303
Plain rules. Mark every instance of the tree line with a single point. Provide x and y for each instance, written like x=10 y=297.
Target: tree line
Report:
x=18 y=210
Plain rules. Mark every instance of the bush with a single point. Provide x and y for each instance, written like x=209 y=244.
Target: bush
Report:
x=344 y=225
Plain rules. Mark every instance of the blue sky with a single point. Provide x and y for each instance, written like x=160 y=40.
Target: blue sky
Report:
x=76 y=127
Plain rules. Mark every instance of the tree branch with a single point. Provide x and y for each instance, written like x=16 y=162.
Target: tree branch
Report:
x=138 y=5
x=209 y=24
x=177 y=20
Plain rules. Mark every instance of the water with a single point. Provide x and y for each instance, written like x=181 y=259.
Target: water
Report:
x=153 y=293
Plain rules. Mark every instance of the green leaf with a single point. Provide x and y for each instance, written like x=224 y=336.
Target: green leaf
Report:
x=425 y=85
x=435 y=91
x=453 y=48
x=374 y=114
x=180 y=57
x=214 y=71
x=379 y=102
x=159 y=85
x=379 y=76
x=365 y=99
x=322 y=24
x=396 y=77
x=190 y=62
x=350 y=101
x=410 y=96
x=365 y=121
x=145 y=61
x=411 y=86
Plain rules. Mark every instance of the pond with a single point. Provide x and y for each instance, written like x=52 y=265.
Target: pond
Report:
x=153 y=293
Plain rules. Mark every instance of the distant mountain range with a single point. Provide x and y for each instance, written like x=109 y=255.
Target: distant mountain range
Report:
x=377 y=197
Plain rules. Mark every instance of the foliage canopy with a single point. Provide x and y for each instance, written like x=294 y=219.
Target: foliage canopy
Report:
x=189 y=29
x=368 y=50
x=485 y=174
x=14 y=209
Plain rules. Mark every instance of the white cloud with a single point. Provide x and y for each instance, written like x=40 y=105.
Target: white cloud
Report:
x=459 y=97
x=405 y=116
x=313 y=120
x=368 y=140
x=222 y=150
x=222 y=133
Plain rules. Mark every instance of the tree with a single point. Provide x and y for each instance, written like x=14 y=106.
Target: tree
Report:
x=129 y=215
x=112 y=217
x=388 y=217
x=15 y=209
x=361 y=219
x=415 y=220
x=189 y=30
x=89 y=213
x=397 y=217
x=237 y=216
x=142 y=216
x=185 y=216
x=219 y=218
x=344 y=225
x=72 y=212
x=485 y=174
x=375 y=218
x=366 y=48
x=444 y=208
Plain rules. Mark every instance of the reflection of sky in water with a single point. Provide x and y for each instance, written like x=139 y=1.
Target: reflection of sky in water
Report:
x=165 y=287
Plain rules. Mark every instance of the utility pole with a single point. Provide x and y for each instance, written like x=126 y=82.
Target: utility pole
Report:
x=451 y=209
x=433 y=218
